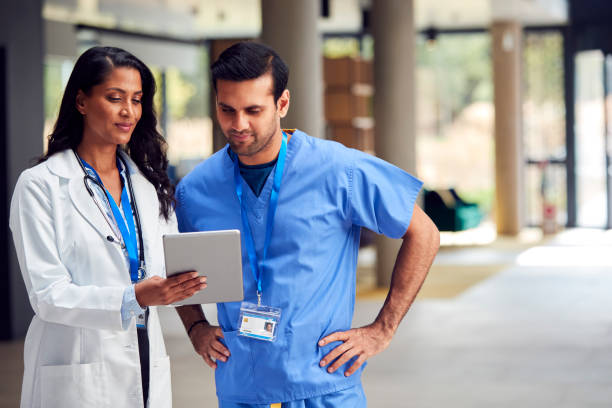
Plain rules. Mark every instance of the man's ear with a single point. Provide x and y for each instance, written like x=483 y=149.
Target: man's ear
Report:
x=80 y=103
x=282 y=105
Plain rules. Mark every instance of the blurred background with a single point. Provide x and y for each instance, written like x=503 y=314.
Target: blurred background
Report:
x=502 y=107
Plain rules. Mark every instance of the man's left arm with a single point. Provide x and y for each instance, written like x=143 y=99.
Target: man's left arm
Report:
x=420 y=245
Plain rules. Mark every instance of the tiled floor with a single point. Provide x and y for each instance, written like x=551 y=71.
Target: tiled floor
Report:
x=534 y=332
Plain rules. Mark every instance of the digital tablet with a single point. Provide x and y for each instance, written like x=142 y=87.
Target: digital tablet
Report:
x=214 y=254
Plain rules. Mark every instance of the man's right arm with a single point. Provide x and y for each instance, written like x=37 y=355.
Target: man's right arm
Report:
x=203 y=336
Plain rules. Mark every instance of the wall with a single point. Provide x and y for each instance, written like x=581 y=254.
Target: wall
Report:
x=21 y=37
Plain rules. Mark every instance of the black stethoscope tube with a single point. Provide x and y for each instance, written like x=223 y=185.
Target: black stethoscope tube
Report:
x=132 y=203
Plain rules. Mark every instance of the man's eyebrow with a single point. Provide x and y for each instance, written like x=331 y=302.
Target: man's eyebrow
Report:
x=224 y=105
x=121 y=90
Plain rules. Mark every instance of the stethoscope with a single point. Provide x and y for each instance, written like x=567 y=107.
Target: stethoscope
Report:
x=88 y=178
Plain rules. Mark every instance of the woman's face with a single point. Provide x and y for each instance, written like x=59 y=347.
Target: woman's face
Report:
x=112 y=109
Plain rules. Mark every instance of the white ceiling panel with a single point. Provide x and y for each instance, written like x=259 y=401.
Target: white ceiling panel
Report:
x=452 y=13
x=480 y=13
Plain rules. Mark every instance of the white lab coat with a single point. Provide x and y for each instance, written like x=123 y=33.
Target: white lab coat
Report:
x=77 y=353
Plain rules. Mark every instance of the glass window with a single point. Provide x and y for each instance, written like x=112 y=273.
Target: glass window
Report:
x=56 y=72
x=455 y=116
x=591 y=190
x=184 y=116
x=336 y=47
x=543 y=97
x=544 y=138
x=546 y=186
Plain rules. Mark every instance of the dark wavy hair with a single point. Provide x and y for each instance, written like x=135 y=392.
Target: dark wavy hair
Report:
x=147 y=147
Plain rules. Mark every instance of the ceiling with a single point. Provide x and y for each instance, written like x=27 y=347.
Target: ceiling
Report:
x=242 y=18
x=481 y=13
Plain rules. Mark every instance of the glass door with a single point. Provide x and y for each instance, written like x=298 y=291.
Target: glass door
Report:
x=592 y=186
x=608 y=132
x=544 y=139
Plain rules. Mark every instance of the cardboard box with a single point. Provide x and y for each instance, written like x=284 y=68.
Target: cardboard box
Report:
x=343 y=106
x=344 y=72
x=354 y=137
x=364 y=72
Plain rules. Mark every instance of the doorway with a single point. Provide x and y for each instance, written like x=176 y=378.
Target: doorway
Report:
x=593 y=138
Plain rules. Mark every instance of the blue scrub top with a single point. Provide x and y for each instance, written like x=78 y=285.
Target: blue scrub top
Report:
x=328 y=193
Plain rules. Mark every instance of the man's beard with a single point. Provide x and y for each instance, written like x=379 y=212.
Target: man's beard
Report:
x=255 y=146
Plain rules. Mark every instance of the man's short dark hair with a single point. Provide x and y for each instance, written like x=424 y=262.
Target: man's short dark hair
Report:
x=250 y=60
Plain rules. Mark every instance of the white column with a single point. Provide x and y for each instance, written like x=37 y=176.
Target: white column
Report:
x=506 y=45
x=394 y=101
x=290 y=28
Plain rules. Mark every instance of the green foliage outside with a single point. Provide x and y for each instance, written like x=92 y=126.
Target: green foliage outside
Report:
x=462 y=67
x=483 y=197
x=543 y=63
x=187 y=92
x=339 y=47
x=54 y=88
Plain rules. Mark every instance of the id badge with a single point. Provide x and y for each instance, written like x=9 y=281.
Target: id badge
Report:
x=141 y=320
x=258 y=322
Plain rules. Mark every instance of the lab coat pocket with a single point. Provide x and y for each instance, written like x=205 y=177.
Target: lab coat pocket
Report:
x=160 y=393
x=238 y=369
x=76 y=385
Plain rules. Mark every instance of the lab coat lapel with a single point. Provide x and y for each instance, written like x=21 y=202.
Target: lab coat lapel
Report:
x=65 y=164
x=145 y=197
x=85 y=205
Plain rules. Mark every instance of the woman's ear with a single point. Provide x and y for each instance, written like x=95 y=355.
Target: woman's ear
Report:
x=81 y=103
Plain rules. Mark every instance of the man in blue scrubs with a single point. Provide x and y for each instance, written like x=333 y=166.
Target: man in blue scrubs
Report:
x=300 y=203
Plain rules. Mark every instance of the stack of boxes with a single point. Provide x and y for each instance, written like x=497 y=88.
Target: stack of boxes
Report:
x=349 y=93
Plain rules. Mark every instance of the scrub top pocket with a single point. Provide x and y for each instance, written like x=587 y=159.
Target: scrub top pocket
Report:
x=238 y=369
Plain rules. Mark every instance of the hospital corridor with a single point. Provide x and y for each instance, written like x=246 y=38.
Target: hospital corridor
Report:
x=515 y=323
x=281 y=161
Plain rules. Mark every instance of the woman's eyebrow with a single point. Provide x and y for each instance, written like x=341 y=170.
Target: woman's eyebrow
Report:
x=121 y=90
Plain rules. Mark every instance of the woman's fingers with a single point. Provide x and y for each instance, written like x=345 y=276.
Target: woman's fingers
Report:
x=160 y=291
x=197 y=283
x=181 y=278
x=188 y=288
x=193 y=285
x=186 y=281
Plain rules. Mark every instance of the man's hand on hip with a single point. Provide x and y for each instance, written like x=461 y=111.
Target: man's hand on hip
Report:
x=419 y=247
x=363 y=343
x=205 y=340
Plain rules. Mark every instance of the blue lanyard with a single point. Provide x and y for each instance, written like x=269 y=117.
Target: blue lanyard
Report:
x=128 y=233
x=256 y=267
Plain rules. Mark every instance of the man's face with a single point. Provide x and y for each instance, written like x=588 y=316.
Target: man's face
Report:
x=248 y=116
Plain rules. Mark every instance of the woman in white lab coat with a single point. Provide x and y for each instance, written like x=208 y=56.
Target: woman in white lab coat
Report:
x=87 y=223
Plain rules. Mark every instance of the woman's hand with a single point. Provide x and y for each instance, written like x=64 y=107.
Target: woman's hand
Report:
x=159 y=291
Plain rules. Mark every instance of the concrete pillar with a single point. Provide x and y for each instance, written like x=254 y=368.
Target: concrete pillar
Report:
x=21 y=129
x=394 y=101
x=506 y=47
x=290 y=27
